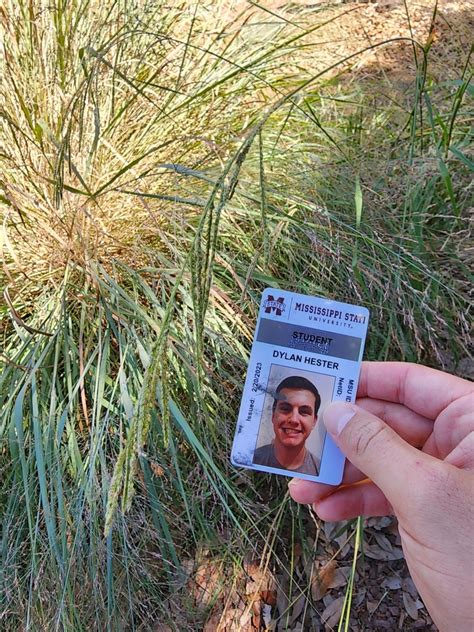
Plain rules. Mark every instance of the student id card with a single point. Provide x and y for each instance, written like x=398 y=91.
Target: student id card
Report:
x=306 y=353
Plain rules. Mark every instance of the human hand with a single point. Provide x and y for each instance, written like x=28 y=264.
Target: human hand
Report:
x=410 y=445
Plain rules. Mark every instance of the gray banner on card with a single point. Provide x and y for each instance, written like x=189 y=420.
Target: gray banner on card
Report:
x=309 y=339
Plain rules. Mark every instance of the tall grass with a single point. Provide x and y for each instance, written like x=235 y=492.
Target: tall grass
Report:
x=160 y=166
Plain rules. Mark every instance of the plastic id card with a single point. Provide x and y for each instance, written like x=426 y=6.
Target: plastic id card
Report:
x=306 y=353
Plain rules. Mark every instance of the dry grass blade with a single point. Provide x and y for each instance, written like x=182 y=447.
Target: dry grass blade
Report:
x=17 y=318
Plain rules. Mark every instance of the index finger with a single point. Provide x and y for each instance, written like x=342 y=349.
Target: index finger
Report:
x=421 y=389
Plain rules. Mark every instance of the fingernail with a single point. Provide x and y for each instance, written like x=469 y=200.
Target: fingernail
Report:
x=337 y=415
x=293 y=481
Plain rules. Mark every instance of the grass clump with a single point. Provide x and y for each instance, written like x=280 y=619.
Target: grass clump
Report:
x=160 y=167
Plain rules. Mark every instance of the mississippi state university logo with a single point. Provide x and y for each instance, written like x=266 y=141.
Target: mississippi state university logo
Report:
x=274 y=305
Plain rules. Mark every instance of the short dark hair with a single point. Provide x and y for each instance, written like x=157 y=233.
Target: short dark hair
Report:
x=301 y=383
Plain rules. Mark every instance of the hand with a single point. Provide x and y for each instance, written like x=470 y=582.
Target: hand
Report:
x=410 y=445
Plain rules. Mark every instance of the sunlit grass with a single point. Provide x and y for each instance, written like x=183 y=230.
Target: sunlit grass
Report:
x=160 y=166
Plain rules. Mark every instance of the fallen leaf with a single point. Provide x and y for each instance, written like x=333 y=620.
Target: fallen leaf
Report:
x=266 y=614
x=377 y=553
x=321 y=580
x=297 y=551
x=257 y=621
x=212 y=623
x=392 y=583
x=340 y=577
x=260 y=583
x=408 y=586
x=245 y=619
x=410 y=606
x=256 y=607
x=344 y=544
x=269 y=597
x=282 y=600
x=401 y=619
x=383 y=542
x=379 y=522
x=331 y=529
x=332 y=613
x=372 y=606
x=207 y=582
x=358 y=598
x=235 y=619
x=298 y=608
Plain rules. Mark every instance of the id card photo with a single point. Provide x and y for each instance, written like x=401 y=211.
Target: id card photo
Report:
x=292 y=405
x=306 y=353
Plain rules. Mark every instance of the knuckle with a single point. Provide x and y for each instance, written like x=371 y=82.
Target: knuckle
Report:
x=370 y=433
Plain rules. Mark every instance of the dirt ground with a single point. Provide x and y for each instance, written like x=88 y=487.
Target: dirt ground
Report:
x=362 y=24
x=384 y=596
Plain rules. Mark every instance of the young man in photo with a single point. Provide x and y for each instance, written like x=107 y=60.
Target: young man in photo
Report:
x=294 y=415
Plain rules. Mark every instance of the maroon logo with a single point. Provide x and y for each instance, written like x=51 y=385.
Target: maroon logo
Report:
x=271 y=305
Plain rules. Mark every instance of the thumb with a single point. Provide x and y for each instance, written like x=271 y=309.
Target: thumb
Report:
x=374 y=448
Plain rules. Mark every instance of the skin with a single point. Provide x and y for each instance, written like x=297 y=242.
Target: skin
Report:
x=410 y=445
x=293 y=421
